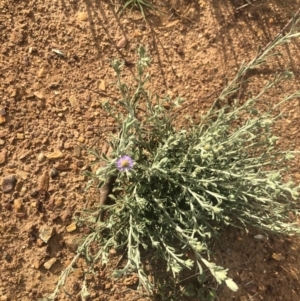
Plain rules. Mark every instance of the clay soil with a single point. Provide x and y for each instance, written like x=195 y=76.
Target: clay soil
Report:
x=55 y=73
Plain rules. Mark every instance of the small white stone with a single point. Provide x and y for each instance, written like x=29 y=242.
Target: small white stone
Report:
x=41 y=157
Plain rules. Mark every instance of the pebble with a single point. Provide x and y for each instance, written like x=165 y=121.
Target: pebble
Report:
x=23 y=191
x=73 y=101
x=108 y=286
x=277 y=257
x=34 y=193
x=2 y=142
x=39 y=95
x=22 y=174
x=82 y=16
x=19 y=185
x=80 y=139
x=2 y=119
x=41 y=157
x=102 y=85
x=53 y=172
x=20 y=136
x=32 y=49
x=8 y=183
x=55 y=155
x=48 y=264
x=3 y=156
x=17 y=205
x=122 y=43
x=46 y=233
x=72 y=227
x=77 y=151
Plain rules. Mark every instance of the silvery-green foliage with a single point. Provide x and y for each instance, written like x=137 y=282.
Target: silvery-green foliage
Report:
x=186 y=184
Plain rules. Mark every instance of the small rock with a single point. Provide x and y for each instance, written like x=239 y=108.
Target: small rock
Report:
x=180 y=50
x=22 y=174
x=80 y=139
x=23 y=155
x=55 y=155
x=108 y=286
x=8 y=183
x=40 y=243
x=48 y=264
x=102 y=85
x=53 y=172
x=23 y=191
x=77 y=151
x=41 y=157
x=82 y=16
x=73 y=101
x=20 y=136
x=39 y=95
x=112 y=251
x=259 y=237
x=277 y=257
x=2 y=119
x=122 y=43
x=46 y=233
x=17 y=205
x=72 y=227
x=19 y=185
x=3 y=156
x=2 y=142
x=32 y=49
x=34 y=193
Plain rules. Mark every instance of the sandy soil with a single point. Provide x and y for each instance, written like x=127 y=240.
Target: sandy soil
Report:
x=50 y=114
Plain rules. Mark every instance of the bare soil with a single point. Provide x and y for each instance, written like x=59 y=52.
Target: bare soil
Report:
x=55 y=73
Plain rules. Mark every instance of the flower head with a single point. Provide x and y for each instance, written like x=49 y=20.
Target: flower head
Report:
x=125 y=163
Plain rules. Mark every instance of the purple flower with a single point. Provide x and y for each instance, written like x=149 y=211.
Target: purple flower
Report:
x=125 y=163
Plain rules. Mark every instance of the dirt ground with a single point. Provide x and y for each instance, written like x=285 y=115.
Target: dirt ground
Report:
x=50 y=112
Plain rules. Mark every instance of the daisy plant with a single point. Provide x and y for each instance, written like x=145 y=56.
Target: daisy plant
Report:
x=173 y=190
